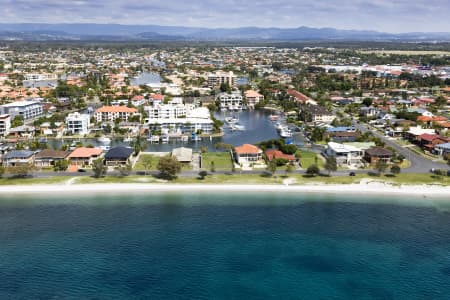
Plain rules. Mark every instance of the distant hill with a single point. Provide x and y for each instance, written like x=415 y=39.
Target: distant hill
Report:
x=78 y=31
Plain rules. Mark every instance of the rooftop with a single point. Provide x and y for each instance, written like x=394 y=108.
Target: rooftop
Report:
x=84 y=152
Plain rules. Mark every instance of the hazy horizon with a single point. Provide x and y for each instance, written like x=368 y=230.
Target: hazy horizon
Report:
x=377 y=15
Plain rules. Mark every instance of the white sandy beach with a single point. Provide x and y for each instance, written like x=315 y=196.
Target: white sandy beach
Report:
x=363 y=188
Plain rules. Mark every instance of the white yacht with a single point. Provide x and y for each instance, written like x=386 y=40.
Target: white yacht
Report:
x=104 y=140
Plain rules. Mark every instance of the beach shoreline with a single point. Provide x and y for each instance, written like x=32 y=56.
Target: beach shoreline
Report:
x=363 y=188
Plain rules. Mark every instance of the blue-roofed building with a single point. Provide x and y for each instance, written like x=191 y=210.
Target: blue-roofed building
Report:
x=118 y=156
x=18 y=157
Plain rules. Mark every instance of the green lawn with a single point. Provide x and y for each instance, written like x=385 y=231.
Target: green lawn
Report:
x=139 y=166
x=154 y=160
x=222 y=161
x=309 y=158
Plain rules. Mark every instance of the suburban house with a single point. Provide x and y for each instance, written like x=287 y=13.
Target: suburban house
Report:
x=247 y=154
x=22 y=131
x=443 y=149
x=18 y=157
x=369 y=112
x=83 y=157
x=341 y=136
x=428 y=142
x=111 y=113
x=118 y=156
x=5 y=124
x=252 y=97
x=414 y=133
x=374 y=154
x=182 y=154
x=47 y=157
x=344 y=154
x=272 y=154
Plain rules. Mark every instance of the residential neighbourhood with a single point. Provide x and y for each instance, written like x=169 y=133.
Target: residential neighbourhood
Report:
x=317 y=104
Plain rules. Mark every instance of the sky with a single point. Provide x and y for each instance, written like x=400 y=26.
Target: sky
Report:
x=380 y=15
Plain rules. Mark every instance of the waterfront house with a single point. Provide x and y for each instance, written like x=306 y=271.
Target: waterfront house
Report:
x=248 y=154
x=48 y=157
x=344 y=154
x=84 y=157
x=374 y=154
x=182 y=154
x=272 y=154
x=252 y=97
x=18 y=157
x=230 y=101
x=118 y=156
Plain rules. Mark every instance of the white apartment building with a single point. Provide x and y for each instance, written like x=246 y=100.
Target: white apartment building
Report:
x=5 y=125
x=230 y=101
x=77 y=123
x=166 y=111
x=26 y=109
x=111 y=113
x=179 y=118
x=219 y=77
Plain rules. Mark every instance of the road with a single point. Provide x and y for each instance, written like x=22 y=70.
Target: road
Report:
x=419 y=164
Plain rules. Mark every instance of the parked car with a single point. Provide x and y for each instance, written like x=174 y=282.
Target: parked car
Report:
x=81 y=170
x=351 y=174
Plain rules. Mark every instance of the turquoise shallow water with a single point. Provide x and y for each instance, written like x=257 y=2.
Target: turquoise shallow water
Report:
x=216 y=246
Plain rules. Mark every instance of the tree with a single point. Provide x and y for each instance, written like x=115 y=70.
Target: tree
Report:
x=381 y=166
x=17 y=121
x=99 y=168
x=440 y=101
x=395 y=169
x=289 y=169
x=367 y=102
x=61 y=165
x=330 y=164
x=313 y=170
x=169 y=167
x=124 y=170
x=202 y=174
x=272 y=166
x=146 y=161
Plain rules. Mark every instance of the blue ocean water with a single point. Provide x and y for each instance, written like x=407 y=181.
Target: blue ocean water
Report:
x=215 y=246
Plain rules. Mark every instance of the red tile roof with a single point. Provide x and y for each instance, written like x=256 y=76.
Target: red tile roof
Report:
x=84 y=152
x=113 y=109
x=275 y=154
x=298 y=96
x=247 y=149
x=428 y=137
